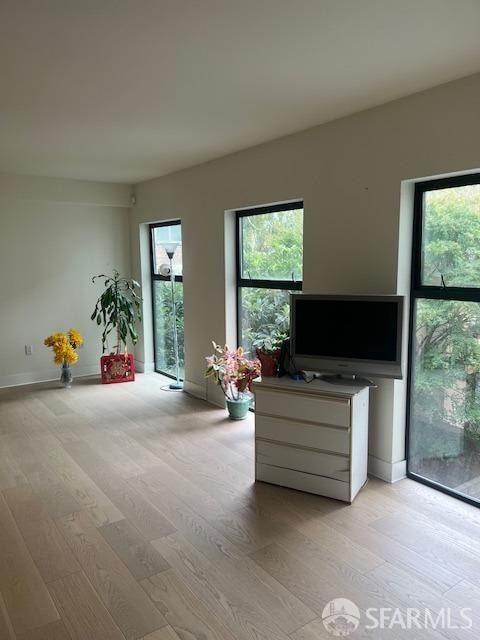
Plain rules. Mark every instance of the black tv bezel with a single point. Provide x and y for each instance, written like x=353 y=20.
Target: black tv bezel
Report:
x=349 y=366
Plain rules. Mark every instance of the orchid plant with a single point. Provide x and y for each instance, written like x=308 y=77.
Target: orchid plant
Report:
x=232 y=371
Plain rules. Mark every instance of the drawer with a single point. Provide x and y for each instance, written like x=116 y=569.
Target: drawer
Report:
x=304 y=406
x=304 y=482
x=304 y=434
x=306 y=460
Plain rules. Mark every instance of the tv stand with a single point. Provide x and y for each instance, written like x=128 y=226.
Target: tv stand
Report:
x=343 y=379
x=312 y=436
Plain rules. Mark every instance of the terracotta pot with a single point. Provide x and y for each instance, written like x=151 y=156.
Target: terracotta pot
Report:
x=269 y=362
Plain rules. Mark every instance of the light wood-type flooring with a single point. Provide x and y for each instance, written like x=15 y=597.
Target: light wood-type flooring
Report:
x=131 y=512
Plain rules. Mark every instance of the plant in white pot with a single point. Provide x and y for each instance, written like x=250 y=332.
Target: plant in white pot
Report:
x=234 y=374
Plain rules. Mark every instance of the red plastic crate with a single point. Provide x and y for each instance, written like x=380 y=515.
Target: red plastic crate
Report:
x=117 y=368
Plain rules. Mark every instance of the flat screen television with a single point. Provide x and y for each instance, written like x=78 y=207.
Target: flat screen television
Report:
x=347 y=335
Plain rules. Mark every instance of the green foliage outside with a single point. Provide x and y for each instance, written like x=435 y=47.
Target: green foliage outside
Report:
x=447 y=342
x=164 y=351
x=272 y=249
x=273 y=245
x=452 y=237
x=265 y=317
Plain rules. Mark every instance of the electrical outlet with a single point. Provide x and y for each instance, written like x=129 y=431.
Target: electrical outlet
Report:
x=28 y=349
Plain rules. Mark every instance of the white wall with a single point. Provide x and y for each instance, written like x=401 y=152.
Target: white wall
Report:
x=54 y=235
x=349 y=174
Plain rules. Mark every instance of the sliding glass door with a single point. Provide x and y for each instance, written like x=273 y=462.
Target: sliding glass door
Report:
x=169 y=234
x=444 y=415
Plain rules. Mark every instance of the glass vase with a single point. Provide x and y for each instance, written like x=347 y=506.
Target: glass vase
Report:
x=66 y=378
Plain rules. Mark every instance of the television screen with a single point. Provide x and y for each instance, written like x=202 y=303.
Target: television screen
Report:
x=343 y=329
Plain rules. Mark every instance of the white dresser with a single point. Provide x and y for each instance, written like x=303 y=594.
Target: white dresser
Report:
x=312 y=437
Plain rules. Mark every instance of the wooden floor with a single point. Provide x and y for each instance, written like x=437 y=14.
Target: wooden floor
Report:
x=130 y=512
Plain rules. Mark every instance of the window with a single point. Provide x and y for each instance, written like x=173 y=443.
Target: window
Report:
x=269 y=266
x=444 y=382
x=170 y=232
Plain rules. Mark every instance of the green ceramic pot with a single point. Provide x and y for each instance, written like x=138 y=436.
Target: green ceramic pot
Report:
x=238 y=409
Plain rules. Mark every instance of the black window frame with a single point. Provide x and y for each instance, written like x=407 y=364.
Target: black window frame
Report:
x=259 y=283
x=420 y=291
x=156 y=276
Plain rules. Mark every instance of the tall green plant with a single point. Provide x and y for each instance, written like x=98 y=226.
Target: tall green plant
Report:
x=118 y=309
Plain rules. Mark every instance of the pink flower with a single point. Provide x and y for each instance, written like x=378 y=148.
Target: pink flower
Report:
x=231 y=370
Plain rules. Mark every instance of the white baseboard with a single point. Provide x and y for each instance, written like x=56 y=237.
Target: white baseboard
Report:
x=209 y=392
x=45 y=375
x=220 y=404
x=387 y=471
x=144 y=367
x=214 y=395
x=195 y=390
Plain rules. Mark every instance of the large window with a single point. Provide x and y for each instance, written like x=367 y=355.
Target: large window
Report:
x=163 y=234
x=444 y=415
x=269 y=266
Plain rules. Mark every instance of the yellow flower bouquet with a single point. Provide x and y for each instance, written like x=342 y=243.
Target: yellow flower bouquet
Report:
x=65 y=347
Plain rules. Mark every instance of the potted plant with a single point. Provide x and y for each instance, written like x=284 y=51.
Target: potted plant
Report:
x=118 y=309
x=234 y=373
x=268 y=349
x=65 y=347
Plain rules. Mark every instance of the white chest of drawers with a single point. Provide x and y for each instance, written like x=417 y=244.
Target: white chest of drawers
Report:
x=312 y=437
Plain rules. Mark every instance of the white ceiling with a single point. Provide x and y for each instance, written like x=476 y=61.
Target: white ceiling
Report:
x=125 y=90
